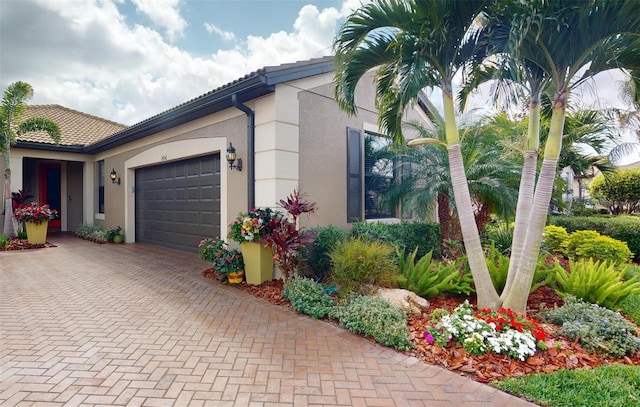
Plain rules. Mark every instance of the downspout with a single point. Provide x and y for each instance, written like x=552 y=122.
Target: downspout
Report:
x=251 y=138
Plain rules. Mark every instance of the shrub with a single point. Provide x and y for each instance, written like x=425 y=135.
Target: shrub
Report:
x=404 y=235
x=4 y=241
x=377 y=318
x=604 y=248
x=429 y=278
x=498 y=266
x=577 y=238
x=624 y=228
x=630 y=307
x=595 y=282
x=91 y=231
x=501 y=237
x=317 y=253
x=555 y=239
x=223 y=259
x=597 y=329
x=308 y=297
x=358 y=263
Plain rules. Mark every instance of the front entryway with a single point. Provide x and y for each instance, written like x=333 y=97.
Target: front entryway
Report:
x=178 y=203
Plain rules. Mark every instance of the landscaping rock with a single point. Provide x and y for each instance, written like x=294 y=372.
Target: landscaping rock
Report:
x=405 y=299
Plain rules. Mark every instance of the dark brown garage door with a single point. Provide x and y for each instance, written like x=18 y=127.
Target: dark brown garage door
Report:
x=178 y=203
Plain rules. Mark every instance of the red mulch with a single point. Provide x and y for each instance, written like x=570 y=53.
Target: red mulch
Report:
x=23 y=244
x=485 y=368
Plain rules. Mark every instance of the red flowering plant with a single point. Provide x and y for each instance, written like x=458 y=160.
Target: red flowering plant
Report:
x=35 y=213
x=505 y=319
x=223 y=259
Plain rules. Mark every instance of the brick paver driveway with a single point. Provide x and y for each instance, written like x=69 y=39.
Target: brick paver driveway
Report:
x=89 y=324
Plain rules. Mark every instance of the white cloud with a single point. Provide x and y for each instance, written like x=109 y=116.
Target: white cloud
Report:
x=225 y=35
x=91 y=58
x=165 y=14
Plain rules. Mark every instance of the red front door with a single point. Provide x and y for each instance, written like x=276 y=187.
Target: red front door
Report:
x=50 y=191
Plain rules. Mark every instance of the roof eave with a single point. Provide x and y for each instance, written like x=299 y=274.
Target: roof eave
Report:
x=61 y=148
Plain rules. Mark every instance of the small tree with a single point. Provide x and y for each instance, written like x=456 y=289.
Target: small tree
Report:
x=619 y=190
x=12 y=125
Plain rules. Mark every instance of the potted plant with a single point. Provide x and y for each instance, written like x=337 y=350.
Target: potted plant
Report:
x=36 y=218
x=115 y=235
x=251 y=229
x=226 y=262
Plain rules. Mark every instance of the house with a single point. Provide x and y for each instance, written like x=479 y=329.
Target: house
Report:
x=166 y=180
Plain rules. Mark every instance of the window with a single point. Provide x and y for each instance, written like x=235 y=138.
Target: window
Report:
x=101 y=186
x=379 y=172
x=370 y=173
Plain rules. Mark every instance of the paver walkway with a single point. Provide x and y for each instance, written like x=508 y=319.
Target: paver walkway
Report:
x=89 y=324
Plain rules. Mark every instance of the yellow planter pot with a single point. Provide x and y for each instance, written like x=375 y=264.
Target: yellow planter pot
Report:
x=258 y=262
x=37 y=234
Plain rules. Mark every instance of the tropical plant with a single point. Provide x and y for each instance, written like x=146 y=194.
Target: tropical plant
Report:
x=429 y=278
x=317 y=253
x=4 y=242
x=414 y=45
x=286 y=236
x=595 y=282
x=11 y=125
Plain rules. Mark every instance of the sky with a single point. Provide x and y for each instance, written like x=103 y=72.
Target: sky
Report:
x=127 y=60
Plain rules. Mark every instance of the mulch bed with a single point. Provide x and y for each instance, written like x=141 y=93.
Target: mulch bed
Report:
x=23 y=244
x=485 y=368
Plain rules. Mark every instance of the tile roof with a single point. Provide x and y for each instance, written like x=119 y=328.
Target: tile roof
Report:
x=77 y=128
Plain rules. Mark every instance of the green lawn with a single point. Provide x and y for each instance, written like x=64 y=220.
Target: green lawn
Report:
x=605 y=386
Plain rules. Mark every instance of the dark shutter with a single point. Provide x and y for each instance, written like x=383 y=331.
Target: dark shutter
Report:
x=354 y=174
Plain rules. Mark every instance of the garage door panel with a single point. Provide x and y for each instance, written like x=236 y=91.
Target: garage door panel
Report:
x=178 y=203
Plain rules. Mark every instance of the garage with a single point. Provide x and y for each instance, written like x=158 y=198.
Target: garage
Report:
x=178 y=203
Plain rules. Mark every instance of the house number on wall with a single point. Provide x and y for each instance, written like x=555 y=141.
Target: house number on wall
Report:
x=163 y=158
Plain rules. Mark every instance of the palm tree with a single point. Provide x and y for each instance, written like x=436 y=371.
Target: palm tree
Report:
x=11 y=125
x=570 y=41
x=413 y=45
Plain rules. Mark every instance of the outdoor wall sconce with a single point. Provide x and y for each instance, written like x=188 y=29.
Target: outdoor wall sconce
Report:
x=114 y=177
x=231 y=158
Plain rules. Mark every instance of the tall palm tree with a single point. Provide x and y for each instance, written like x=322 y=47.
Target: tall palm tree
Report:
x=11 y=125
x=416 y=44
x=570 y=41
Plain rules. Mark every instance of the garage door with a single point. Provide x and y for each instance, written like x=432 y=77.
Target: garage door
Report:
x=178 y=203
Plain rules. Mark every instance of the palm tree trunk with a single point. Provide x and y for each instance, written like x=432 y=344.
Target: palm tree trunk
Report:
x=486 y=292
x=517 y=295
x=8 y=229
x=525 y=193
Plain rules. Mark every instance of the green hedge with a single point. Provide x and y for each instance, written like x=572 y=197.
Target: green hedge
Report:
x=625 y=228
x=406 y=236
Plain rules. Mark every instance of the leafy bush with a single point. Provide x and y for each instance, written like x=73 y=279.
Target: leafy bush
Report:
x=308 y=297
x=595 y=282
x=624 y=228
x=597 y=329
x=501 y=237
x=317 y=253
x=4 y=241
x=358 y=263
x=223 y=259
x=555 y=238
x=405 y=235
x=577 y=238
x=429 y=278
x=498 y=266
x=604 y=248
x=91 y=231
x=377 y=318
x=630 y=307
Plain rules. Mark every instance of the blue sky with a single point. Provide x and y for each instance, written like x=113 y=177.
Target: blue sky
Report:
x=126 y=60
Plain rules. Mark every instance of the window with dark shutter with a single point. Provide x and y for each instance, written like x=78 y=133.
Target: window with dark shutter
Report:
x=354 y=175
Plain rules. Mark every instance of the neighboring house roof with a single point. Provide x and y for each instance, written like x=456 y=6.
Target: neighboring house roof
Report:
x=77 y=128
